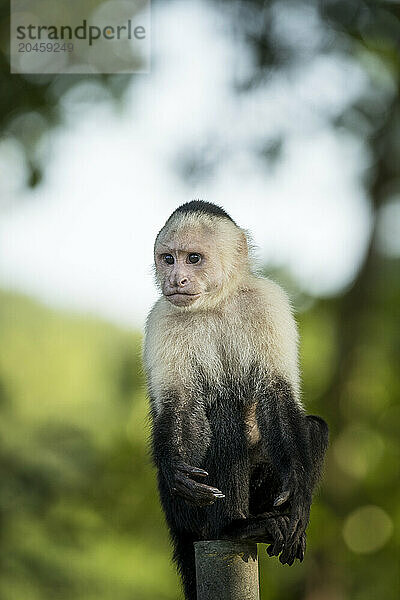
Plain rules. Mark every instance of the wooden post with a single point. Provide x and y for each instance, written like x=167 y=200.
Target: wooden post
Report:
x=226 y=570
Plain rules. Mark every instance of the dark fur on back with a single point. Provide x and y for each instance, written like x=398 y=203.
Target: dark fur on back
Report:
x=200 y=206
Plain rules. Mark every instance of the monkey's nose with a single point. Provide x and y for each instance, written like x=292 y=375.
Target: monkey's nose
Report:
x=183 y=281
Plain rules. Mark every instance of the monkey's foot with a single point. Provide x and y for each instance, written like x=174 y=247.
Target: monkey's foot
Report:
x=269 y=528
x=266 y=528
x=289 y=552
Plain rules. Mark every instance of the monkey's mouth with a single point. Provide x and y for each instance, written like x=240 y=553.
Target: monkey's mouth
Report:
x=181 y=297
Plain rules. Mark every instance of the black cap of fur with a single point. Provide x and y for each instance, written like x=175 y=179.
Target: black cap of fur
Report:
x=199 y=206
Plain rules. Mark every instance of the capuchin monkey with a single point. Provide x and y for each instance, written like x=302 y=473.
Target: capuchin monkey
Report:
x=236 y=455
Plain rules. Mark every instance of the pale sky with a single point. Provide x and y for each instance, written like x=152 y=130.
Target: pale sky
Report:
x=83 y=240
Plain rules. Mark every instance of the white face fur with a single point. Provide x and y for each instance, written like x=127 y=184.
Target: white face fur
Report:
x=192 y=262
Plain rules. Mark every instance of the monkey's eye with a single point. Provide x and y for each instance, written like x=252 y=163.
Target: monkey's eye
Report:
x=194 y=258
x=169 y=259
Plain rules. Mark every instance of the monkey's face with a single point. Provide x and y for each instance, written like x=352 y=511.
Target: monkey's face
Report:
x=187 y=265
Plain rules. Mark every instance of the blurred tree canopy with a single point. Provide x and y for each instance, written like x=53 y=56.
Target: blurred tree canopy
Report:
x=79 y=514
x=30 y=104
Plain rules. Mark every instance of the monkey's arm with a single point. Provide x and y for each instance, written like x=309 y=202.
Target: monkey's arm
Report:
x=284 y=427
x=295 y=445
x=175 y=432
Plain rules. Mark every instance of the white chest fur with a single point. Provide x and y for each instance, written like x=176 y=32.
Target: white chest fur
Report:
x=255 y=329
x=207 y=340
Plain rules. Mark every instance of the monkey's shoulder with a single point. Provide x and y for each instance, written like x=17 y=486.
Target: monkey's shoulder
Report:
x=270 y=294
x=268 y=319
x=266 y=303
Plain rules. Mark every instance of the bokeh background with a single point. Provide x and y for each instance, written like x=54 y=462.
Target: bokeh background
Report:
x=288 y=114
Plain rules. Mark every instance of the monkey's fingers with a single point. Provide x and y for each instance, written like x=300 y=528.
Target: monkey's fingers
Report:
x=185 y=468
x=292 y=543
x=282 y=498
x=190 y=497
x=294 y=550
x=300 y=515
x=278 y=528
x=295 y=529
x=207 y=489
x=199 y=488
x=288 y=555
x=293 y=526
x=198 y=493
x=301 y=550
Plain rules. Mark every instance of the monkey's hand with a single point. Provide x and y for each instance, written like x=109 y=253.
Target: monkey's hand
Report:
x=295 y=539
x=190 y=490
